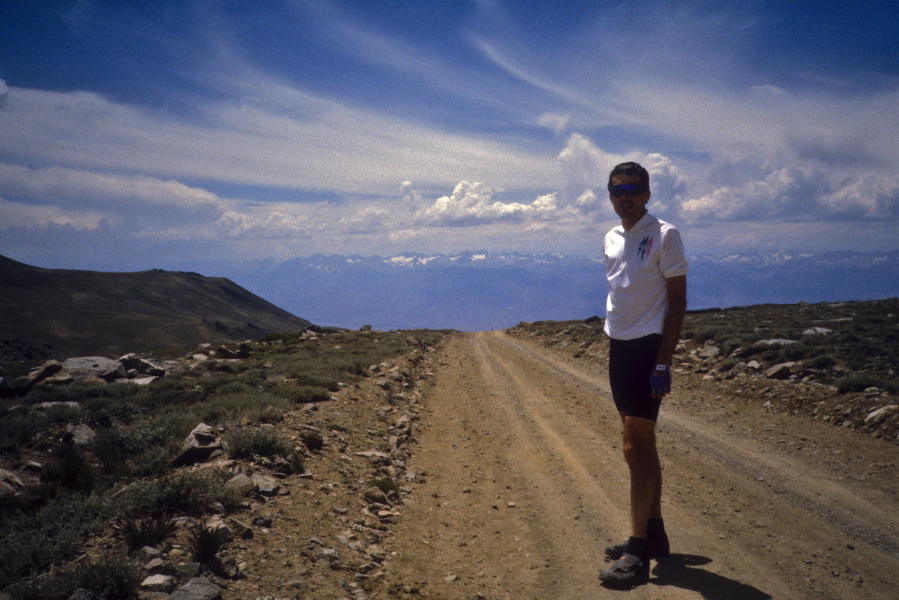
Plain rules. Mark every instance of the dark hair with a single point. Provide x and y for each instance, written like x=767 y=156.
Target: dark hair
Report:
x=630 y=168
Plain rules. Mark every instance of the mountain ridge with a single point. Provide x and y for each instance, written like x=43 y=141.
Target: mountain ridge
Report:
x=101 y=313
x=481 y=290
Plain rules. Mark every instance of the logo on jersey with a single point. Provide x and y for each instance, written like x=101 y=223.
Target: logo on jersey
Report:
x=645 y=247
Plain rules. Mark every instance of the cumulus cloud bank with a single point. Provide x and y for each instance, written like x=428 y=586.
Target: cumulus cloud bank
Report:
x=800 y=195
x=473 y=203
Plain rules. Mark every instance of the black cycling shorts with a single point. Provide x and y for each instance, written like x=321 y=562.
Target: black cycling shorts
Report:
x=631 y=362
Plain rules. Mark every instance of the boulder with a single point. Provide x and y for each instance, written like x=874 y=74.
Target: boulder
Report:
x=198 y=588
x=241 y=484
x=141 y=366
x=709 y=352
x=10 y=484
x=816 y=331
x=240 y=529
x=223 y=352
x=225 y=566
x=90 y=367
x=159 y=583
x=781 y=371
x=201 y=445
x=373 y=494
x=114 y=372
x=265 y=484
x=876 y=416
x=48 y=369
x=741 y=368
x=78 y=435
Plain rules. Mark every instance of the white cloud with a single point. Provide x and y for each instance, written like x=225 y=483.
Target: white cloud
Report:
x=83 y=199
x=410 y=196
x=472 y=203
x=755 y=200
x=126 y=193
x=270 y=221
x=16 y=214
x=270 y=134
x=868 y=195
x=584 y=166
x=559 y=124
x=803 y=195
x=369 y=219
x=667 y=182
x=589 y=202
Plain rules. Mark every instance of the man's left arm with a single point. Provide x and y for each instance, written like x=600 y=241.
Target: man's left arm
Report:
x=676 y=288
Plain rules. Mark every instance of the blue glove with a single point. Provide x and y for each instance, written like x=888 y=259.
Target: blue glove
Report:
x=660 y=381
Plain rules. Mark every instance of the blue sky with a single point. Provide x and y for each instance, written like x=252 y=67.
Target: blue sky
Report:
x=136 y=135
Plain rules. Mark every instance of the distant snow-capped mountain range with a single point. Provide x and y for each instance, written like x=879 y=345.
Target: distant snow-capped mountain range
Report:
x=475 y=291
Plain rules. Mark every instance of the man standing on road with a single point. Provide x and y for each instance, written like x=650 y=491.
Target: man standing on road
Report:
x=647 y=274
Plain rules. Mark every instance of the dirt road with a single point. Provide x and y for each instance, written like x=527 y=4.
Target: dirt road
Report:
x=526 y=485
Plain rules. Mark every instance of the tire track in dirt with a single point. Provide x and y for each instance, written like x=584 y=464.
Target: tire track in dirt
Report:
x=526 y=485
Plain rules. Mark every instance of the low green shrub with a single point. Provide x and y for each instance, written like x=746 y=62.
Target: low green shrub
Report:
x=140 y=449
x=69 y=467
x=386 y=485
x=304 y=394
x=269 y=414
x=81 y=392
x=800 y=350
x=189 y=492
x=233 y=387
x=34 y=541
x=822 y=361
x=17 y=428
x=857 y=382
x=248 y=442
x=111 y=578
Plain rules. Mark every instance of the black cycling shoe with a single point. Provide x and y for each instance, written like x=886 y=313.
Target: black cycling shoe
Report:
x=655 y=548
x=627 y=571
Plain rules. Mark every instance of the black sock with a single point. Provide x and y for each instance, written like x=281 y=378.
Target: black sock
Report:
x=636 y=547
x=655 y=528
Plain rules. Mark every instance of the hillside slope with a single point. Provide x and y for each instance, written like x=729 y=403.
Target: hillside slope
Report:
x=91 y=312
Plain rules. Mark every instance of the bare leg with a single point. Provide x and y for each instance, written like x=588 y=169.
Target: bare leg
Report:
x=642 y=459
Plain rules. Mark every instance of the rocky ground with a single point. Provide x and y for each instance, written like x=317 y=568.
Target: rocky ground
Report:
x=489 y=468
x=787 y=387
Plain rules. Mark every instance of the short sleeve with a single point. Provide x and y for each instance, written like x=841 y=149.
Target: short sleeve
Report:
x=673 y=261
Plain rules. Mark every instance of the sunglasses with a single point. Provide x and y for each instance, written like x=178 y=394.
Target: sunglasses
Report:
x=630 y=190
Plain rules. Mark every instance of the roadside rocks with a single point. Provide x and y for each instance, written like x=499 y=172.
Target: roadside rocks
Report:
x=793 y=387
x=358 y=446
x=129 y=368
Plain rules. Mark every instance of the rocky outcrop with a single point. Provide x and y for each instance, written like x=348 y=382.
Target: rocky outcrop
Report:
x=200 y=446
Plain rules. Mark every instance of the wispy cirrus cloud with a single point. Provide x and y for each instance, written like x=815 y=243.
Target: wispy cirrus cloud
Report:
x=315 y=125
